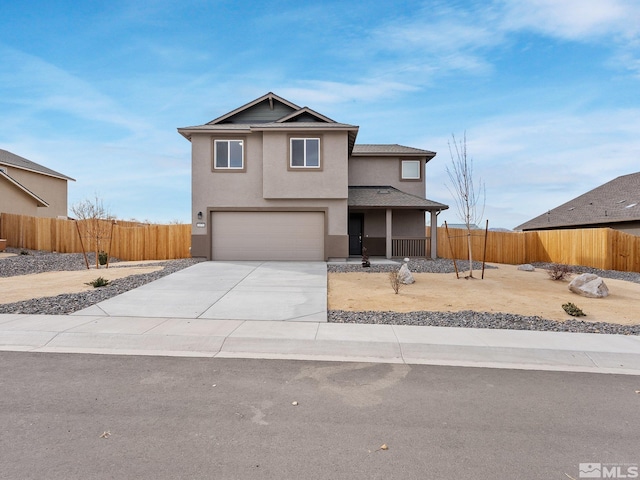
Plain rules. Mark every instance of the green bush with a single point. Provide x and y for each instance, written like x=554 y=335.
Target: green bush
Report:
x=572 y=310
x=98 y=282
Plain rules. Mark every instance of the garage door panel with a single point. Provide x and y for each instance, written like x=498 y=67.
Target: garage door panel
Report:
x=267 y=235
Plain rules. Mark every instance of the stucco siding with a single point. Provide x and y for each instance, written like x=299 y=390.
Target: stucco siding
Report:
x=13 y=200
x=52 y=190
x=368 y=171
x=328 y=181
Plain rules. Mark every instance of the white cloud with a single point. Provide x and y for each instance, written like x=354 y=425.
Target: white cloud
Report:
x=46 y=87
x=574 y=19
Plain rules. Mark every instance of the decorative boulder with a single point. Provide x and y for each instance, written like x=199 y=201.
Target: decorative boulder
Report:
x=527 y=267
x=405 y=275
x=589 y=285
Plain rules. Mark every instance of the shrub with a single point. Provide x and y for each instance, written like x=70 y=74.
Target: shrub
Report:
x=102 y=257
x=573 y=310
x=395 y=281
x=98 y=282
x=559 y=271
x=25 y=252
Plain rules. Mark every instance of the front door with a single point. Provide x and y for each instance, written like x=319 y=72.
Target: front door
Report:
x=356 y=229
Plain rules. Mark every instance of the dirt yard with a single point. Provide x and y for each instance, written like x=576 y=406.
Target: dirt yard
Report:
x=505 y=289
x=49 y=284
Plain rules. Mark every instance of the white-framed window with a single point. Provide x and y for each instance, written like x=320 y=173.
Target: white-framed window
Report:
x=228 y=154
x=305 y=153
x=410 y=169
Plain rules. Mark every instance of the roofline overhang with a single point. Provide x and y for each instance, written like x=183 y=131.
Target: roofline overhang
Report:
x=428 y=155
x=39 y=201
x=187 y=132
x=60 y=176
x=269 y=96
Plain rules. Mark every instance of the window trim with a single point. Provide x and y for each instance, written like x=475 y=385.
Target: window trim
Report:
x=305 y=167
x=229 y=168
x=410 y=179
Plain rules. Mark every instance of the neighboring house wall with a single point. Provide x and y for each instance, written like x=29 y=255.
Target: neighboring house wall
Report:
x=52 y=190
x=13 y=200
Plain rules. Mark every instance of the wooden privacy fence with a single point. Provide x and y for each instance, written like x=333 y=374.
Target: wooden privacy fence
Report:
x=602 y=248
x=130 y=240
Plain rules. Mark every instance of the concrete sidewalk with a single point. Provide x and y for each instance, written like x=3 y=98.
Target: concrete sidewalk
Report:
x=118 y=335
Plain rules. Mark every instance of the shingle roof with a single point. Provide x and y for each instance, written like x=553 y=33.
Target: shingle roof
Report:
x=386 y=149
x=386 y=196
x=615 y=201
x=13 y=160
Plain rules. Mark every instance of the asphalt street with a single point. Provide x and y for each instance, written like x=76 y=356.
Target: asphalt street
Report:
x=74 y=416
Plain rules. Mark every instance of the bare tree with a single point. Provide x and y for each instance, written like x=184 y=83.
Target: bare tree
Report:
x=94 y=224
x=463 y=189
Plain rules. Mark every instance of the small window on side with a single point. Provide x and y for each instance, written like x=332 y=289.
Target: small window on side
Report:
x=411 y=169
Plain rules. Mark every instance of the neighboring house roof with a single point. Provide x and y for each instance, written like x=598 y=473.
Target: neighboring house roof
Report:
x=615 y=201
x=389 y=149
x=39 y=201
x=386 y=196
x=13 y=160
x=271 y=112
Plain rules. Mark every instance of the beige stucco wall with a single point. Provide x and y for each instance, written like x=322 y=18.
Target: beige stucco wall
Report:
x=406 y=223
x=328 y=181
x=367 y=171
x=233 y=190
x=13 y=200
x=51 y=189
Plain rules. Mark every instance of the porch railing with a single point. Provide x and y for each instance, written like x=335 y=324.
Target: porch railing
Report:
x=410 y=247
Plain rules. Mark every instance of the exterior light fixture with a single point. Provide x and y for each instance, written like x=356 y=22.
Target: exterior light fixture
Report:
x=199 y=215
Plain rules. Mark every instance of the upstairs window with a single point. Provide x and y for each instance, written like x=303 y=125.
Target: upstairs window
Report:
x=229 y=154
x=410 y=170
x=305 y=153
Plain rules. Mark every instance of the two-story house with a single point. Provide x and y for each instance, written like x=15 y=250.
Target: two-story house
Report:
x=28 y=188
x=275 y=181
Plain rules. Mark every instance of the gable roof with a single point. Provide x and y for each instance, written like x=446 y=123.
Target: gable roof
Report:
x=39 y=201
x=270 y=98
x=271 y=112
x=615 y=201
x=13 y=160
x=386 y=196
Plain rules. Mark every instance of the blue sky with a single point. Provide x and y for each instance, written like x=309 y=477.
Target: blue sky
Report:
x=547 y=91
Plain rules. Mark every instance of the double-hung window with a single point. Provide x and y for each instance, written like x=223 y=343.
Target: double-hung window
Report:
x=229 y=154
x=305 y=153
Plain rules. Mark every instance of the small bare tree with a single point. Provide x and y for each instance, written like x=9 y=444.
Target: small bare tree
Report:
x=463 y=189
x=94 y=224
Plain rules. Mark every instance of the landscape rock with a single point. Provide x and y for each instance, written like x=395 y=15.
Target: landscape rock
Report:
x=589 y=285
x=405 y=275
x=527 y=267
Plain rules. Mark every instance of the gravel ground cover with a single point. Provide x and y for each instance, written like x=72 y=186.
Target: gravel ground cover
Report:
x=39 y=262
x=472 y=319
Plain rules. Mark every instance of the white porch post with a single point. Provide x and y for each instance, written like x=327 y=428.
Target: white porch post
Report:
x=389 y=220
x=433 y=232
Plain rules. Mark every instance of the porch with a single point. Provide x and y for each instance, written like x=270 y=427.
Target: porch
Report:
x=390 y=223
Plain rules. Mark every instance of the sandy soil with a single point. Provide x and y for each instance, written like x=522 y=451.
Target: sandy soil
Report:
x=49 y=284
x=506 y=290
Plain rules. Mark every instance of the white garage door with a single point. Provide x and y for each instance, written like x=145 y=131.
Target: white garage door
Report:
x=267 y=235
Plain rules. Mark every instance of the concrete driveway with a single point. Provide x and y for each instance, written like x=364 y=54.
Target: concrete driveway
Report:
x=283 y=291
